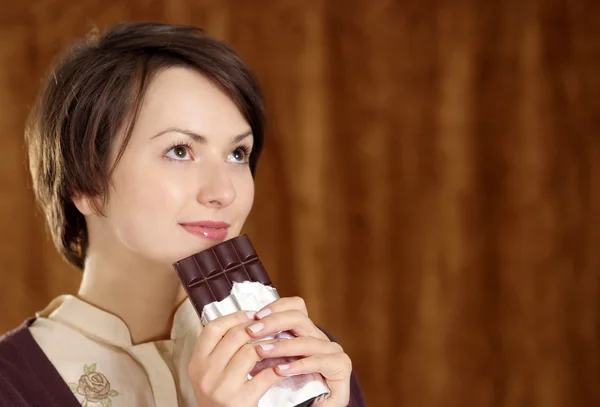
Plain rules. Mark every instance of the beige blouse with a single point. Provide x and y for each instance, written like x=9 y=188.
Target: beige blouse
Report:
x=93 y=352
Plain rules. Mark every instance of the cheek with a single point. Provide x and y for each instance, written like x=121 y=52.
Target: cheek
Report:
x=146 y=197
x=244 y=194
x=144 y=209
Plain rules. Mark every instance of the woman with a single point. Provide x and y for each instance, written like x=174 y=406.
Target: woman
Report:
x=143 y=146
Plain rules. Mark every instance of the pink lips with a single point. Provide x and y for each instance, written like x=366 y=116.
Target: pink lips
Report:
x=210 y=230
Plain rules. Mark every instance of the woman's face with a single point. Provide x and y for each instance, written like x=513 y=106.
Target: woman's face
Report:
x=183 y=183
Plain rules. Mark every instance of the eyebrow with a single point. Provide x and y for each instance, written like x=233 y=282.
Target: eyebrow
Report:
x=198 y=137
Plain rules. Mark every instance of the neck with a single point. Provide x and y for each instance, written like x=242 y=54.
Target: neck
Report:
x=145 y=296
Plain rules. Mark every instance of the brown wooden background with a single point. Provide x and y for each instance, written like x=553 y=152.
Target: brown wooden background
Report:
x=431 y=183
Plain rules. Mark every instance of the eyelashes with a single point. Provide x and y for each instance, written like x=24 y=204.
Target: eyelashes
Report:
x=183 y=151
x=179 y=152
x=246 y=149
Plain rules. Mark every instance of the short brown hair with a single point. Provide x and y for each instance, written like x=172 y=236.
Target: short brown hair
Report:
x=95 y=91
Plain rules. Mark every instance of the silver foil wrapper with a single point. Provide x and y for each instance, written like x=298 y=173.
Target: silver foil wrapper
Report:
x=291 y=392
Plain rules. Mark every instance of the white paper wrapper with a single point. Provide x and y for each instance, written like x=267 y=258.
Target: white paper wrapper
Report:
x=294 y=390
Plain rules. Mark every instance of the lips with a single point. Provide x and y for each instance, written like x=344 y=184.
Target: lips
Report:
x=215 y=231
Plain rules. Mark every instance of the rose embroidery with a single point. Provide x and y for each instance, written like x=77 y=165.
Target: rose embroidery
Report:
x=94 y=387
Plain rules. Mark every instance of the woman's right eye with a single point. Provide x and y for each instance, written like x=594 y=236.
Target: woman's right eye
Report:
x=179 y=153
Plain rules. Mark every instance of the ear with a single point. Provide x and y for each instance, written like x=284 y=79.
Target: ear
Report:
x=83 y=204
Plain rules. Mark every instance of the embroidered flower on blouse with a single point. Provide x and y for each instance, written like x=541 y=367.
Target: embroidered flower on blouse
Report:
x=94 y=387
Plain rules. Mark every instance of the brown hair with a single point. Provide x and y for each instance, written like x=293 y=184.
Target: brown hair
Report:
x=96 y=90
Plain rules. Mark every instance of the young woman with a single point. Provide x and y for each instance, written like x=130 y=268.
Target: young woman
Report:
x=142 y=148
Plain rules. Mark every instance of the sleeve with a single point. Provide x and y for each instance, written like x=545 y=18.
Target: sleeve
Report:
x=9 y=394
x=15 y=377
x=357 y=398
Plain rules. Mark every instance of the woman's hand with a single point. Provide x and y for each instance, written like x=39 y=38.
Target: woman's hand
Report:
x=225 y=354
x=321 y=355
x=221 y=361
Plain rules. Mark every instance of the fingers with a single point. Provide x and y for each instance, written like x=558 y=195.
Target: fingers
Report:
x=326 y=357
x=247 y=394
x=244 y=360
x=300 y=346
x=255 y=388
x=226 y=352
x=335 y=368
x=284 y=304
x=291 y=320
x=234 y=341
x=214 y=331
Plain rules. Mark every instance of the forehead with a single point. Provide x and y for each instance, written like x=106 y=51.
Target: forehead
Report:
x=182 y=97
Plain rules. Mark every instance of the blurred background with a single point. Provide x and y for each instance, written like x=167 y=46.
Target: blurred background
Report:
x=430 y=183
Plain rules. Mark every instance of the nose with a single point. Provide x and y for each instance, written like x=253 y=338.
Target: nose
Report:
x=216 y=190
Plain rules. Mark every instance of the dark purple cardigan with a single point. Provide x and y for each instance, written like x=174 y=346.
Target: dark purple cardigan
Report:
x=28 y=378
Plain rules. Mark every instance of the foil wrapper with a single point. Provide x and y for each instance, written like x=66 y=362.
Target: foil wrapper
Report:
x=294 y=391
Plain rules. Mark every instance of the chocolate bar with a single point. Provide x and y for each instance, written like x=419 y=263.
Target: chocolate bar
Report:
x=208 y=276
x=229 y=277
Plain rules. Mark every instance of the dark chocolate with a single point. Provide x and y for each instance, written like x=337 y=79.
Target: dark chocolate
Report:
x=208 y=276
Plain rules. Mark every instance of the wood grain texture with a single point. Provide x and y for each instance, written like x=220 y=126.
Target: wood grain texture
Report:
x=430 y=183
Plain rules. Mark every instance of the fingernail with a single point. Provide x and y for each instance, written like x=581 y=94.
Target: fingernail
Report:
x=250 y=314
x=263 y=313
x=256 y=327
x=283 y=367
x=266 y=346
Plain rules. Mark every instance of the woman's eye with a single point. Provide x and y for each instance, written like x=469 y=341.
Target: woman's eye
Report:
x=239 y=155
x=180 y=153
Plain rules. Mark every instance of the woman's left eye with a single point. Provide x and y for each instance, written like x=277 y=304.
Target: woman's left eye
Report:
x=179 y=153
x=240 y=155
